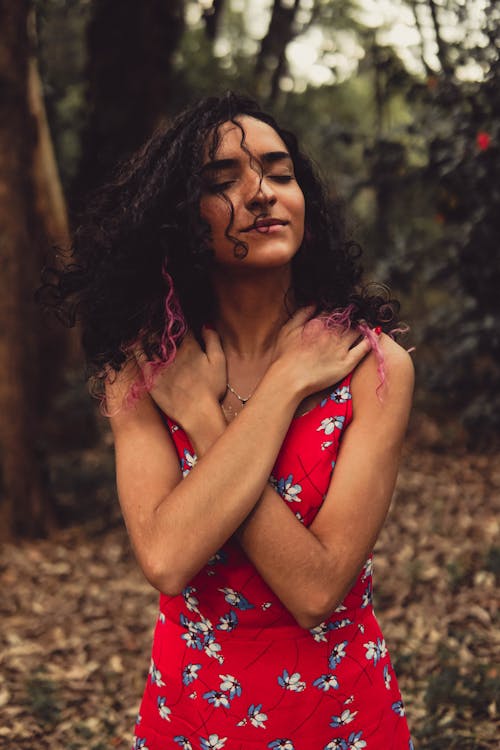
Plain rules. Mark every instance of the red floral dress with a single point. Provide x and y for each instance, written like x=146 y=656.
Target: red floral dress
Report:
x=232 y=669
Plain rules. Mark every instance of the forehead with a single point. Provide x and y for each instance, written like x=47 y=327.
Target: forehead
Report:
x=260 y=138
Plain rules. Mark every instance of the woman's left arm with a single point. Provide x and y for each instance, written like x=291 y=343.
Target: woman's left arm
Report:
x=312 y=569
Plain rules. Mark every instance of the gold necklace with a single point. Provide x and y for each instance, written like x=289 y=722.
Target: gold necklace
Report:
x=241 y=399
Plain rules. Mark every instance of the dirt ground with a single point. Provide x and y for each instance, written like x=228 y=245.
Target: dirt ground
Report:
x=76 y=616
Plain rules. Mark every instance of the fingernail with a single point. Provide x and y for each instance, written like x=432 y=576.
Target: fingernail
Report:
x=377 y=330
x=209 y=327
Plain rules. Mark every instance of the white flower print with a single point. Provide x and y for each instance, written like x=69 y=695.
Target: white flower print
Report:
x=326 y=444
x=375 y=651
x=212 y=648
x=256 y=716
x=191 y=601
x=367 y=597
x=337 y=744
x=291 y=682
x=163 y=709
x=161 y=618
x=213 y=742
x=337 y=654
x=341 y=395
x=355 y=742
x=367 y=568
x=329 y=424
x=190 y=673
x=282 y=744
x=139 y=743
x=155 y=675
x=183 y=742
x=326 y=682
x=230 y=685
x=236 y=599
x=288 y=490
x=387 y=677
x=398 y=708
x=217 y=699
x=341 y=608
x=228 y=622
x=319 y=632
x=345 y=718
x=187 y=462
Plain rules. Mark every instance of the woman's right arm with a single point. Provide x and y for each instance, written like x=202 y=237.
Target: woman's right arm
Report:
x=176 y=526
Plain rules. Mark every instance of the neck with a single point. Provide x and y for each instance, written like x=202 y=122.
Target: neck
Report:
x=251 y=309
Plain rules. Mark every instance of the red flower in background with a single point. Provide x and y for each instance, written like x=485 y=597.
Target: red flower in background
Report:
x=483 y=140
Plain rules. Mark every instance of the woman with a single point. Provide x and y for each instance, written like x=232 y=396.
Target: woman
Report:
x=214 y=252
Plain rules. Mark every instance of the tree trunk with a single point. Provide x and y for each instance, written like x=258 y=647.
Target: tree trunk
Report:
x=25 y=507
x=212 y=17
x=131 y=48
x=271 y=60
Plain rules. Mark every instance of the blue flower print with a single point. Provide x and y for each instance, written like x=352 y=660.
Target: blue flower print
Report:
x=319 y=632
x=212 y=648
x=336 y=655
x=217 y=699
x=291 y=682
x=410 y=745
x=256 y=716
x=288 y=490
x=187 y=462
x=387 y=677
x=228 y=622
x=163 y=709
x=341 y=395
x=326 y=682
x=281 y=745
x=230 y=685
x=367 y=569
x=367 y=597
x=345 y=718
x=340 y=623
x=236 y=599
x=193 y=636
x=329 y=424
x=213 y=742
x=337 y=744
x=398 y=708
x=220 y=557
x=155 y=675
x=190 y=600
x=190 y=673
x=139 y=743
x=183 y=742
x=355 y=742
x=375 y=651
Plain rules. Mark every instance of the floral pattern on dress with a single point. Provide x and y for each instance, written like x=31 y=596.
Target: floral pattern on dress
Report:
x=232 y=670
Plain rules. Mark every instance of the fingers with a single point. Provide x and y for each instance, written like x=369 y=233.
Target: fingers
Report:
x=213 y=346
x=359 y=350
x=301 y=316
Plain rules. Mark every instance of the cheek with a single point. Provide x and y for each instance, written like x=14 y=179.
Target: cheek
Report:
x=217 y=214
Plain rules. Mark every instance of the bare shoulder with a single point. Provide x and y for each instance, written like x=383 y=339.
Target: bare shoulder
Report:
x=391 y=379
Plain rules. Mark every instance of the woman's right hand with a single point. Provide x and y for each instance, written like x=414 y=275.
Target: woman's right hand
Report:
x=316 y=356
x=195 y=377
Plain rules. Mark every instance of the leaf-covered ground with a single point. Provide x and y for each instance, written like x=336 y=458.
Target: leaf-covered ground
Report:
x=76 y=616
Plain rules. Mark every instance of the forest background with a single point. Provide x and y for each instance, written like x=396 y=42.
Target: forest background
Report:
x=398 y=102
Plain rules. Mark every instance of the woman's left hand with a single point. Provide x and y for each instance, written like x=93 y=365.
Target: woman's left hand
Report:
x=194 y=378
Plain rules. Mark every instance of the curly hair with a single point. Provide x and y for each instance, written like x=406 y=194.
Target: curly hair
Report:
x=141 y=256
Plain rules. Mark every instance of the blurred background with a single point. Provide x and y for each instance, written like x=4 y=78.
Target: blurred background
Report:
x=398 y=103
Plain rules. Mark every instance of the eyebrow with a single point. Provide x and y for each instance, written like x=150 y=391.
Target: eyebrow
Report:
x=271 y=157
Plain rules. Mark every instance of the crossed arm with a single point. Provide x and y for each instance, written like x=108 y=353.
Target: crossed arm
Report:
x=175 y=526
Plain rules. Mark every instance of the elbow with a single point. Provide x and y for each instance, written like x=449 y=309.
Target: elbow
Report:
x=162 y=576
x=315 y=609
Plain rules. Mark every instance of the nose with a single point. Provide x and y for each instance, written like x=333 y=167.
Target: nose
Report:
x=260 y=193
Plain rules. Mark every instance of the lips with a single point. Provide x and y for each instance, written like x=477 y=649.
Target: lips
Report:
x=263 y=226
